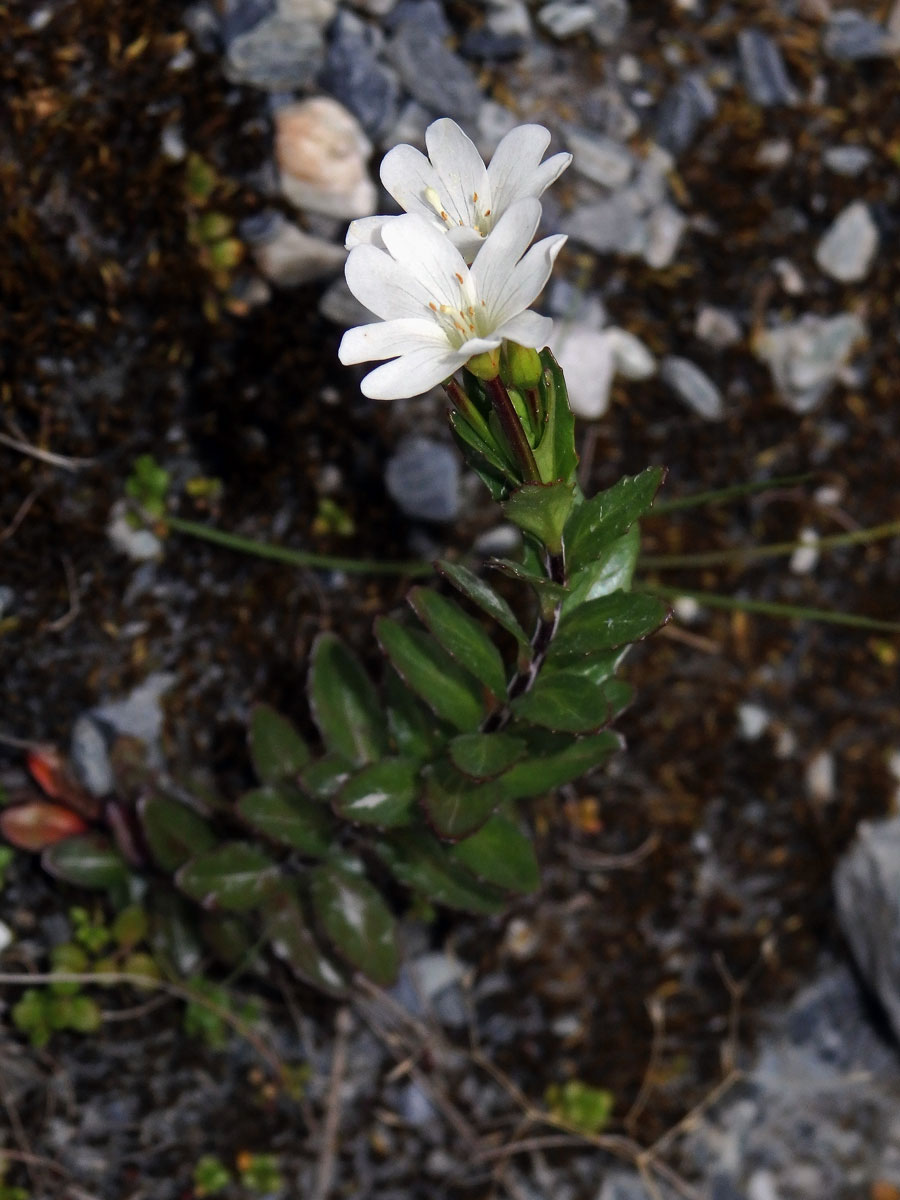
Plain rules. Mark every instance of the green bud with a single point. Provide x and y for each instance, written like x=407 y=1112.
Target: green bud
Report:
x=485 y=365
x=523 y=366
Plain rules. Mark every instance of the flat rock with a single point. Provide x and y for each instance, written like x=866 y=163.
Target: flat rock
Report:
x=765 y=75
x=280 y=54
x=848 y=247
x=435 y=76
x=693 y=386
x=354 y=74
x=422 y=477
x=289 y=256
x=853 y=37
x=806 y=356
x=600 y=157
x=684 y=109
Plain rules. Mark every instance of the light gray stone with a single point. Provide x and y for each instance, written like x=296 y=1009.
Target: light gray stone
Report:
x=600 y=157
x=664 y=231
x=693 y=386
x=806 y=356
x=432 y=73
x=847 y=160
x=853 y=37
x=683 y=110
x=847 y=248
x=289 y=256
x=717 y=327
x=422 y=477
x=610 y=226
x=280 y=54
x=563 y=18
x=763 y=69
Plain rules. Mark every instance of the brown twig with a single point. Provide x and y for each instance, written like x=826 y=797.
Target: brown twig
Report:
x=21 y=513
x=74 y=608
x=46 y=456
x=328 y=1150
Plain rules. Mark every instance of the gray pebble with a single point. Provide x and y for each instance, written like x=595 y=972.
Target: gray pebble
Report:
x=684 y=108
x=277 y=55
x=852 y=37
x=847 y=248
x=717 y=327
x=599 y=157
x=563 y=18
x=693 y=386
x=88 y=751
x=847 y=160
x=806 y=356
x=354 y=75
x=422 y=477
x=431 y=72
x=665 y=227
x=763 y=69
x=610 y=226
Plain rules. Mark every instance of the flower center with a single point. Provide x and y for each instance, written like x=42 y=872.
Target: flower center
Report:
x=460 y=324
x=482 y=221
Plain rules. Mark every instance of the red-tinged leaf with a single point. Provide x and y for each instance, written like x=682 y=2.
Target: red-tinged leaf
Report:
x=38 y=824
x=54 y=777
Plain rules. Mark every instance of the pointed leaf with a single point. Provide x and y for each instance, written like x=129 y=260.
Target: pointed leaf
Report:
x=564 y=700
x=454 y=805
x=483 y=756
x=173 y=933
x=382 y=794
x=596 y=523
x=236 y=876
x=461 y=636
x=325 y=777
x=173 y=832
x=292 y=940
x=53 y=775
x=37 y=824
x=421 y=863
x=605 y=623
x=431 y=673
x=611 y=573
x=286 y=816
x=542 y=509
x=414 y=728
x=545 y=587
x=344 y=702
x=87 y=860
x=277 y=749
x=544 y=773
x=501 y=854
x=229 y=940
x=484 y=596
x=555 y=452
x=357 y=921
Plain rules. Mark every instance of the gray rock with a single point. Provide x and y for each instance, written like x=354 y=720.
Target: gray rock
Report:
x=279 y=54
x=608 y=110
x=852 y=37
x=693 y=386
x=564 y=18
x=717 y=327
x=7 y=599
x=138 y=715
x=806 y=356
x=610 y=226
x=89 y=754
x=140 y=545
x=665 y=227
x=422 y=477
x=354 y=75
x=847 y=248
x=623 y=1185
x=431 y=72
x=684 y=108
x=609 y=22
x=763 y=69
x=847 y=160
x=867 y=892
x=288 y=256
x=600 y=157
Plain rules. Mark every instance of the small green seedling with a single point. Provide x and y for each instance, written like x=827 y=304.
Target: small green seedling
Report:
x=211 y=1176
x=580 y=1106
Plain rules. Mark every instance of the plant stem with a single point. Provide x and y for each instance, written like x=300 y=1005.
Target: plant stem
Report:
x=512 y=429
x=773 y=609
x=723 y=495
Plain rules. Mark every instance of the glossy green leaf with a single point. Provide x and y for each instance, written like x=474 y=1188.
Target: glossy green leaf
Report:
x=87 y=860
x=542 y=509
x=596 y=523
x=461 y=636
x=277 y=749
x=483 y=756
x=595 y=668
x=454 y=805
x=605 y=623
x=173 y=933
x=235 y=876
x=564 y=700
x=382 y=794
x=547 y=771
x=228 y=938
x=432 y=674
x=326 y=776
x=545 y=587
x=484 y=596
x=283 y=814
x=500 y=854
x=344 y=702
x=611 y=573
x=420 y=862
x=414 y=728
x=293 y=941
x=173 y=832
x=354 y=916
x=555 y=451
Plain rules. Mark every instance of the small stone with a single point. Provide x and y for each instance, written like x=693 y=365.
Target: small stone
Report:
x=6 y=936
x=608 y=110
x=847 y=249
x=852 y=37
x=774 y=152
x=89 y=755
x=7 y=600
x=804 y=559
x=277 y=55
x=631 y=357
x=172 y=144
x=820 y=783
x=599 y=157
x=588 y=364
x=354 y=75
x=806 y=356
x=623 y=1185
x=789 y=276
x=847 y=160
x=140 y=545
x=753 y=721
x=422 y=477
x=693 y=386
x=139 y=714
x=763 y=69
x=432 y=73
x=664 y=231
x=322 y=156
x=564 y=19
x=610 y=226
x=717 y=327
x=291 y=257
x=684 y=108
x=611 y=17
x=508 y=18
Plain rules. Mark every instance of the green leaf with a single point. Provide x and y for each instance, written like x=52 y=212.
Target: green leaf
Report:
x=288 y=817
x=596 y=523
x=462 y=638
x=421 y=863
x=83 y=1014
x=277 y=749
x=325 y=777
x=545 y=587
x=611 y=573
x=357 y=921
x=484 y=596
x=454 y=805
x=236 y=876
x=382 y=794
x=414 y=728
x=501 y=854
x=292 y=940
x=483 y=756
x=555 y=452
x=173 y=832
x=344 y=702
x=542 y=509
x=565 y=701
x=543 y=773
x=229 y=940
x=87 y=860
x=607 y=622
x=432 y=674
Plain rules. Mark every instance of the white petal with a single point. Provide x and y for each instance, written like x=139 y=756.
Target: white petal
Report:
x=527 y=280
x=411 y=374
x=502 y=249
x=406 y=173
x=516 y=171
x=467 y=241
x=463 y=175
x=387 y=339
x=382 y=285
x=429 y=255
x=365 y=231
x=528 y=329
x=630 y=356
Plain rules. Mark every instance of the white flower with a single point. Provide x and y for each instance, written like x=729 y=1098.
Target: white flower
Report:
x=436 y=312
x=455 y=191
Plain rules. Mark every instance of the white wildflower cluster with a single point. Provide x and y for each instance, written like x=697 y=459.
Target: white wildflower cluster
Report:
x=455 y=274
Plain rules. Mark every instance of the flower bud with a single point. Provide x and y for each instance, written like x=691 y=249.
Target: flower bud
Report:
x=523 y=366
x=485 y=365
